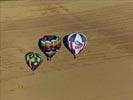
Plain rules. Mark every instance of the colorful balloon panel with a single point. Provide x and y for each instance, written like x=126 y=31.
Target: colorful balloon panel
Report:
x=49 y=45
x=33 y=60
x=76 y=42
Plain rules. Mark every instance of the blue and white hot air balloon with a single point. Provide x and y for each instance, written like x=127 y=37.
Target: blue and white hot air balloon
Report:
x=75 y=42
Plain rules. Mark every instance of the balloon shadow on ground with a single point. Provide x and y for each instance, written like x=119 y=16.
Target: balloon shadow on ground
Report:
x=65 y=42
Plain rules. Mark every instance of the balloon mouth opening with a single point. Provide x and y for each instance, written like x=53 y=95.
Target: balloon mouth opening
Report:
x=33 y=69
x=48 y=59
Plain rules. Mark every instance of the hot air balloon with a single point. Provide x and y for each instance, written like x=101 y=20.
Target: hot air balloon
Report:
x=75 y=42
x=49 y=45
x=33 y=60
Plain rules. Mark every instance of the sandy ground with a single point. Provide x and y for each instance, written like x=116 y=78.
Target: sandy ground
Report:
x=103 y=71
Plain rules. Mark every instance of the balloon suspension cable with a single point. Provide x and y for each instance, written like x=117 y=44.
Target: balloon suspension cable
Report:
x=33 y=72
x=74 y=56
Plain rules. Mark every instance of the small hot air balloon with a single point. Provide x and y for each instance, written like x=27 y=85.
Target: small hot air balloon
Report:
x=49 y=45
x=75 y=42
x=33 y=60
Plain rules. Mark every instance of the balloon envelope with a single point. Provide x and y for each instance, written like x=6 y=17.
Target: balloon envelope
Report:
x=33 y=60
x=75 y=42
x=49 y=45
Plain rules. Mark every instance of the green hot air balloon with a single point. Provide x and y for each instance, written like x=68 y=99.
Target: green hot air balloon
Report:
x=33 y=60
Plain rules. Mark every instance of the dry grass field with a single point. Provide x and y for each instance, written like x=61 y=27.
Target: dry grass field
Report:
x=103 y=71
